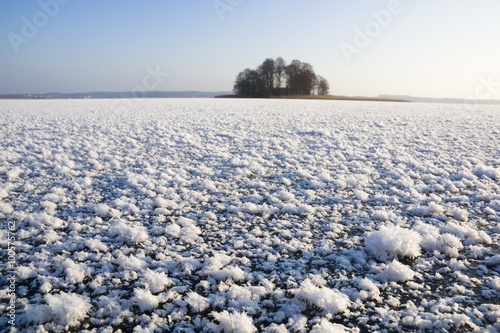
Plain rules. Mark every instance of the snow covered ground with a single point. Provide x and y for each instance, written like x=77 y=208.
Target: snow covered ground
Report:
x=250 y=215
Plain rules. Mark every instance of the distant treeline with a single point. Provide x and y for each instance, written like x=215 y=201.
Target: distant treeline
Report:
x=125 y=94
x=276 y=78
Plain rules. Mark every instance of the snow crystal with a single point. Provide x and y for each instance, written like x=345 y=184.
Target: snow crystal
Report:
x=234 y=322
x=284 y=195
x=6 y=208
x=45 y=287
x=14 y=173
x=96 y=245
x=361 y=195
x=495 y=283
x=37 y=314
x=383 y=215
x=131 y=234
x=490 y=172
x=26 y=272
x=369 y=290
x=331 y=301
x=275 y=328
x=68 y=309
x=391 y=242
x=393 y=301
x=464 y=231
x=451 y=245
x=131 y=262
x=75 y=273
x=197 y=302
x=173 y=230
x=102 y=210
x=297 y=209
x=156 y=281
x=215 y=263
x=44 y=220
x=232 y=272
x=326 y=327
x=145 y=299
x=397 y=272
x=208 y=185
x=435 y=208
x=49 y=206
x=460 y=214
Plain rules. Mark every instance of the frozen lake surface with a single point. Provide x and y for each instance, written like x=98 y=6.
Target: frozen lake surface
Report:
x=250 y=215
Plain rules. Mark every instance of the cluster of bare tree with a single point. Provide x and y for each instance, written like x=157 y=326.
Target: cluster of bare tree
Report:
x=275 y=78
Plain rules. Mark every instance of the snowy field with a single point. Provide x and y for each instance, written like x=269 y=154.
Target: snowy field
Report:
x=212 y=215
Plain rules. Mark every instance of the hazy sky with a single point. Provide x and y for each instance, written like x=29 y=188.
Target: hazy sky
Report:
x=435 y=48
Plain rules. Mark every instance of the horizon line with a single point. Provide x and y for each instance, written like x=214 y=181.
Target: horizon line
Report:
x=146 y=94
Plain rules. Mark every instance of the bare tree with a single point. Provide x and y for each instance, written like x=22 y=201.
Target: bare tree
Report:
x=249 y=83
x=300 y=78
x=292 y=72
x=322 y=86
x=269 y=77
x=279 y=73
x=267 y=74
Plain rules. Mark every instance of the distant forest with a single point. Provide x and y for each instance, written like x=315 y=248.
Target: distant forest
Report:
x=276 y=78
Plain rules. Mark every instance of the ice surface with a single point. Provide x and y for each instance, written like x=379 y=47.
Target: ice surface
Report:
x=215 y=215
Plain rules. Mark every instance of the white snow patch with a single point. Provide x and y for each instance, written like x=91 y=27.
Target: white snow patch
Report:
x=330 y=300
x=145 y=299
x=156 y=281
x=37 y=314
x=131 y=234
x=68 y=309
x=75 y=273
x=6 y=208
x=382 y=215
x=235 y=322
x=494 y=283
x=397 y=272
x=325 y=326
x=490 y=172
x=44 y=220
x=361 y=195
x=96 y=245
x=391 y=242
x=197 y=302
x=233 y=273
x=369 y=290
x=460 y=214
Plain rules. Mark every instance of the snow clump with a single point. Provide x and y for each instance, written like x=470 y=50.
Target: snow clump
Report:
x=325 y=326
x=397 y=272
x=235 y=322
x=197 y=302
x=391 y=242
x=130 y=234
x=145 y=299
x=331 y=301
x=68 y=309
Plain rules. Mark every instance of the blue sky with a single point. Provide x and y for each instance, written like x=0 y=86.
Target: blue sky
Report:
x=448 y=48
